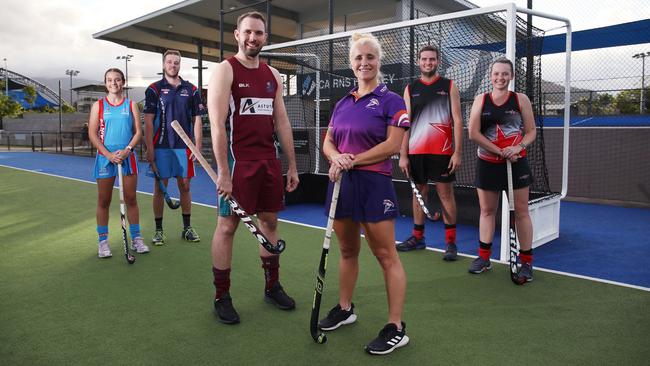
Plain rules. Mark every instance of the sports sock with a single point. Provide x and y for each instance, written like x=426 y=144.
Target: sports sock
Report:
x=134 y=229
x=102 y=232
x=484 y=250
x=221 y=281
x=271 y=267
x=526 y=256
x=186 y=220
x=418 y=231
x=450 y=233
x=158 y=223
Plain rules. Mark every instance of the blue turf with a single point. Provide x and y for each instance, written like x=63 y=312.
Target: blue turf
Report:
x=601 y=241
x=599 y=121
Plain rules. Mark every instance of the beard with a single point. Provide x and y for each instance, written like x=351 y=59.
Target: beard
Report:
x=170 y=75
x=431 y=73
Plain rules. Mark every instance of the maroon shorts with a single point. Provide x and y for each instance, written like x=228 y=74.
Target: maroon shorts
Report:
x=257 y=185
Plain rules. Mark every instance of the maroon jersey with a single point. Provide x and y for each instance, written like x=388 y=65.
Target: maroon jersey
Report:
x=250 y=124
x=501 y=124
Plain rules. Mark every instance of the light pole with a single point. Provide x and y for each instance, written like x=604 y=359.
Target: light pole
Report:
x=642 y=56
x=6 y=77
x=71 y=73
x=126 y=59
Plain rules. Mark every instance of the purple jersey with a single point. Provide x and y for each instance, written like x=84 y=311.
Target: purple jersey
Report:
x=360 y=123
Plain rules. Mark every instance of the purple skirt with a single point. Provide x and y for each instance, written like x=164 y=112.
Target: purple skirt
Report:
x=365 y=196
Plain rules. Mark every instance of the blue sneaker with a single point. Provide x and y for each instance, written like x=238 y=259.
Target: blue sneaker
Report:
x=526 y=272
x=411 y=243
x=480 y=265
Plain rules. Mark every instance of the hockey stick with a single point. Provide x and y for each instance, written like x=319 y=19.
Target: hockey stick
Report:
x=514 y=245
x=170 y=202
x=236 y=208
x=322 y=266
x=418 y=197
x=129 y=257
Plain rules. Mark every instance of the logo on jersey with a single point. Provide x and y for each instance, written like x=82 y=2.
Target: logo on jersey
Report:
x=165 y=91
x=244 y=85
x=388 y=206
x=270 y=87
x=184 y=93
x=373 y=103
x=441 y=92
x=256 y=106
x=511 y=111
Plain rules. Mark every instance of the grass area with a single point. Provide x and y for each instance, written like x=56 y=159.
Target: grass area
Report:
x=61 y=305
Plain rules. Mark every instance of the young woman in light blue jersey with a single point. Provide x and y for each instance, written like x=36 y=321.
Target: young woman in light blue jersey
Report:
x=114 y=129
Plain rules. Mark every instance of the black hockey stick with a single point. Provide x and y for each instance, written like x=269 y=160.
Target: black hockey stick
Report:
x=236 y=208
x=320 y=337
x=170 y=202
x=514 y=245
x=418 y=197
x=129 y=257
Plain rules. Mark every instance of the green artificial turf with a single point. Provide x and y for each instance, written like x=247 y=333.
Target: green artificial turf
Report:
x=61 y=305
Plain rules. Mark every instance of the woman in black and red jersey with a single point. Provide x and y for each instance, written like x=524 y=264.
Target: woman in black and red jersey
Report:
x=502 y=124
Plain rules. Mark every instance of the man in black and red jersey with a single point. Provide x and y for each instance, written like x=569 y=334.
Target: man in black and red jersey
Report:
x=431 y=149
x=246 y=109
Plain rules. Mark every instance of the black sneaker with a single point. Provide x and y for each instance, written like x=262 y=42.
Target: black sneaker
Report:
x=279 y=298
x=224 y=310
x=451 y=252
x=388 y=339
x=337 y=317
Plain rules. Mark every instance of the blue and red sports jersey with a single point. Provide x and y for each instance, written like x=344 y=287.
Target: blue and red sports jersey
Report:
x=115 y=124
x=250 y=123
x=501 y=124
x=359 y=123
x=169 y=103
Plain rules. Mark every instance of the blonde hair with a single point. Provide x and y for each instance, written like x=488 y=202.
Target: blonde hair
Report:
x=358 y=39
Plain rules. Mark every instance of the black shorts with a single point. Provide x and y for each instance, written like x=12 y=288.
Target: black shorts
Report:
x=494 y=176
x=427 y=167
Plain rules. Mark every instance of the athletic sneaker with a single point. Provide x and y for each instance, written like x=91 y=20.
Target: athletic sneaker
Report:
x=388 y=339
x=411 y=243
x=526 y=272
x=480 y=265
x=451 y=252
x=279 y=298
x=104 y=250
x=158 y=238
x=337 y=317
x=224 y=310
x=139 y=246
x=190 y=234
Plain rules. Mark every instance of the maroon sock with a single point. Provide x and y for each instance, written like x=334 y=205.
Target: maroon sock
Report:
x=221 y=281
x=271 y=266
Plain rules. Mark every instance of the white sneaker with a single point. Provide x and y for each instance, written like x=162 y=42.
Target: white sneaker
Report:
x=104 y=250
x=139 y=246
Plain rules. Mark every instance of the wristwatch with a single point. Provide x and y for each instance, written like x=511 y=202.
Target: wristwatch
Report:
x=128 y=147
x=522 y=145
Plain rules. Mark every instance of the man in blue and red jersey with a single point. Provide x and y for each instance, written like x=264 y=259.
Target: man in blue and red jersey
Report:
x=246 y=109
x=166 y=100
x=431 y=150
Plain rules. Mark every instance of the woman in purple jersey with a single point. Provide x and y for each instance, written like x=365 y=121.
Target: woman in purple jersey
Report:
x=114 y=129
x=366 y=128
x=502 y=124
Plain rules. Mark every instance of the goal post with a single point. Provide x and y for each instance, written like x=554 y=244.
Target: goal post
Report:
x=469 y=41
